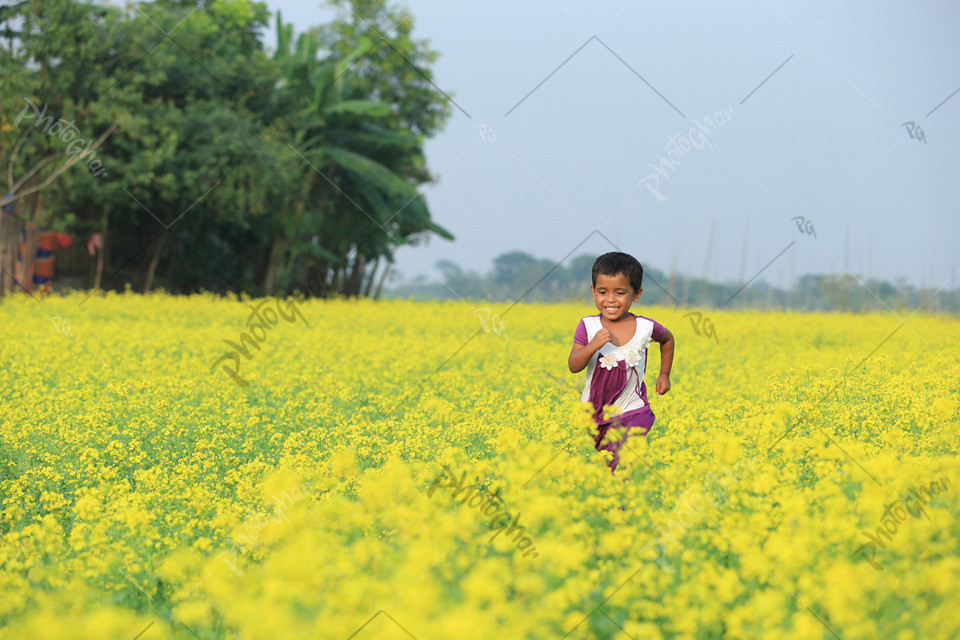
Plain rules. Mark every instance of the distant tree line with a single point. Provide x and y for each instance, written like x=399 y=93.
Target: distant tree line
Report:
x=518 y=275
x=180 y=153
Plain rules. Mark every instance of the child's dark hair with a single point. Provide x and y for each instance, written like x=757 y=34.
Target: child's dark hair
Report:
x=610 y=264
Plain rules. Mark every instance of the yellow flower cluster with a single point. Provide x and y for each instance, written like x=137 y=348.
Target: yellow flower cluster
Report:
x=146 y=494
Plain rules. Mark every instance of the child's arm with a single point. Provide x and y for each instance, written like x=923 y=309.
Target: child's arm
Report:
x=666 y=362
x=581 y=353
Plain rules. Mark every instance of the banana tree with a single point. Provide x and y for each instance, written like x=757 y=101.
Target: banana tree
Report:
x=357 y=174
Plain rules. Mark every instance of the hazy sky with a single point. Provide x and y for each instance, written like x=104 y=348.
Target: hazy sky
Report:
x=565 y=108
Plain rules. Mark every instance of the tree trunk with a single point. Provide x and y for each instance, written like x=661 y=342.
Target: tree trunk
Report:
x=9 y=238
x=274 y=267
x=370 y=279
x=335 y=283
x=356 y=275
x=278 y=270
x=383 y=278
x=30 y=247
x=323 y=269
x=103 y=250
x=154 y=259
x=28 y=257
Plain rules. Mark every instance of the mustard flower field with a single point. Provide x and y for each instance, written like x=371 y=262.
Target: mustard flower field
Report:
x=179 y=467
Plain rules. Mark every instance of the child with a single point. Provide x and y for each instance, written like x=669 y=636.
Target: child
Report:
x=618 y=339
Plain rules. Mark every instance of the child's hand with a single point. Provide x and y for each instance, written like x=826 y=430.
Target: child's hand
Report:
x=663 y=384
x=603 y=337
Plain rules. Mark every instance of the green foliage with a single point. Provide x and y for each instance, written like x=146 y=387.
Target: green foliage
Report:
x=357 y=196
x=223 y=167
x=518 y=275
x=397 y=67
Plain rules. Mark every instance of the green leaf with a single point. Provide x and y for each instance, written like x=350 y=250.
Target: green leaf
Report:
x=419 y=217
x=371 y=171
x=363 y=47
x=284 y=36
x=384 y=137
x=314 y=249
x=358 y=107
x=440 y=231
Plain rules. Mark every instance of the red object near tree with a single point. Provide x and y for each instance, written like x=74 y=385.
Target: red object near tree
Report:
x=37 y=274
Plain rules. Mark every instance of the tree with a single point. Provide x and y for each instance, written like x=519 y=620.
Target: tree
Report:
x=361 y=165
x=395 y=68
x=54 y=113
x=217 y=167
x=198 y=170
x=509 y=268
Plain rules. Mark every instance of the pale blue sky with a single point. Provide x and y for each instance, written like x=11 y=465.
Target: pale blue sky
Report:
x=821 y=138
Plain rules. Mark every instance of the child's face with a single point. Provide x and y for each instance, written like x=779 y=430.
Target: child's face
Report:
x=613 y=295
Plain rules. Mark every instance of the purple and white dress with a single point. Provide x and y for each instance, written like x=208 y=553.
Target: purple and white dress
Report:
x=614 y=376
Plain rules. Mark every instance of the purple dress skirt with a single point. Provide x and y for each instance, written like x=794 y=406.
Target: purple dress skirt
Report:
x=606 y=385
